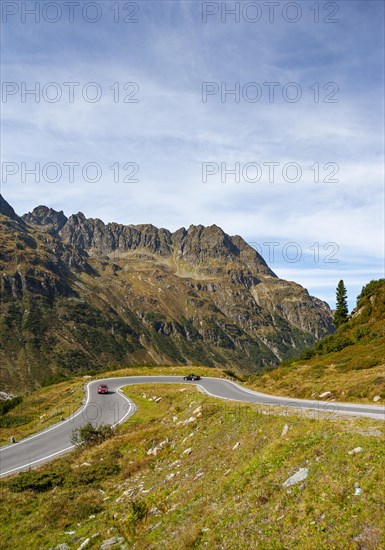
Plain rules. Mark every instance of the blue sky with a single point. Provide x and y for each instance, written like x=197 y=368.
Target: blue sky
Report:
x=316 y=232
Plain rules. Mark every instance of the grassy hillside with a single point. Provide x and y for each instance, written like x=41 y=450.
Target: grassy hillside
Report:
x=349 y=363
x=215 y=481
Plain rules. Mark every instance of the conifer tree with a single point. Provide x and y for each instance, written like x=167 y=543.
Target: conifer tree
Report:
x=341 y=313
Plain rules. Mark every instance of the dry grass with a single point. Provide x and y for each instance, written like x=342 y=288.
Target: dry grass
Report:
x=311 y=380
x=226 y=493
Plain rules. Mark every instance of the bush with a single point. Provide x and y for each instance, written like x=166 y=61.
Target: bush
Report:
x=361 y=332
x=35 y=481
x=90 y=435
x=6 y=406
x=307 y=354
x=332 y=343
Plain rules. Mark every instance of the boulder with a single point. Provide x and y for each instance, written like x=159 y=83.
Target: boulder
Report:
x=296 y=478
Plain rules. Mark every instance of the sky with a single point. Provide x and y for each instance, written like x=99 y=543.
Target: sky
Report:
x=265 y=118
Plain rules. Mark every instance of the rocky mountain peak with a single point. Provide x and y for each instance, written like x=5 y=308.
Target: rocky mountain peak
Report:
x=197 y=245
x=138 y=293
x=44 y=216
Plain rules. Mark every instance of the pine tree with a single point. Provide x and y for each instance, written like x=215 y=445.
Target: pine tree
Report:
x=341 y=313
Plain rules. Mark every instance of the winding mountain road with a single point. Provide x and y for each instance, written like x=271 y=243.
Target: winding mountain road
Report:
x=115 y=407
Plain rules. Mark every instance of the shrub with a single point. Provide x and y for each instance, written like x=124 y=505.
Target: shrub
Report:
x=332 y=343
x=35 y=481
x=361 y=332
x=10 y=404
x=307 y=354
x=139 y=510
x=91 y=435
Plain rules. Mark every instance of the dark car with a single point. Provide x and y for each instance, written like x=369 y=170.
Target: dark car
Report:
x=192 y=377
x=103 y=388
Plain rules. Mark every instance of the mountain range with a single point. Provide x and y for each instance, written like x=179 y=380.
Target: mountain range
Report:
x=79 y=295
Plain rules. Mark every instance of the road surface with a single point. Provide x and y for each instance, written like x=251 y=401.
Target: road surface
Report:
x=115 y=407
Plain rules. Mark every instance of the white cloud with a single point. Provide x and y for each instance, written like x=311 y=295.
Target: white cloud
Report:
x=170 y=132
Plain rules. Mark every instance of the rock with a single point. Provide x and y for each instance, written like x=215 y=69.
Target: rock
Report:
x=236 y=445
x=85 y=464
x=174 y=418
x=189 y=420
x=285 y=430
x=158 y=399
x=4 y=396
x=187 y=451
x=357 y=491
x=62 y=546
x=377 y=398
x=83 y=544
x=325 y=394
x=355 y=451
x=296 y=478
x=198 y=410
x=111 y=542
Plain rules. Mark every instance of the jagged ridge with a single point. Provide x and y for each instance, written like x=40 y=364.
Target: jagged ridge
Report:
x=80 y=294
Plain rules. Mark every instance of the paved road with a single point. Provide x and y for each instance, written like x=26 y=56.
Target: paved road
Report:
x=114 y=408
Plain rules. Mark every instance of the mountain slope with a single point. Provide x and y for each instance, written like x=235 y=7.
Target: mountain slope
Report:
x=349 y=364
x=78 y=294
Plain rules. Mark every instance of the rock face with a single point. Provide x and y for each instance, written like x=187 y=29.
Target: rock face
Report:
x=79 y=294
x=41 y=215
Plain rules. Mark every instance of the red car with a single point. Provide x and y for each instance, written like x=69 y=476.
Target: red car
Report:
x=103 y=388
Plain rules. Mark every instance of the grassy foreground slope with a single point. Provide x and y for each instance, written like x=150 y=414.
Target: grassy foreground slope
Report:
x=349 y=363
x=189 y=472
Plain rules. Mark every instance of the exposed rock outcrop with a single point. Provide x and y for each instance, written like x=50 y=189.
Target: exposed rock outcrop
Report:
x=79 y=293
